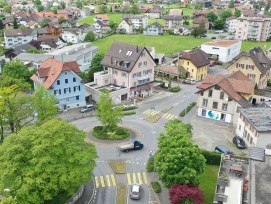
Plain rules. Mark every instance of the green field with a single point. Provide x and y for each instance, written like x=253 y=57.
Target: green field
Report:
x=187 y=11
x=115 y=17
x=247 y=45
x=208 y=182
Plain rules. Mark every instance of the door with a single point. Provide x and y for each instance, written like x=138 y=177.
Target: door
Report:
x=201 y=77
x=223 y=117
x=65 y=107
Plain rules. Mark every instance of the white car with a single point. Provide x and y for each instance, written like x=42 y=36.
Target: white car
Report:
x=87 y=108
x=189 y=81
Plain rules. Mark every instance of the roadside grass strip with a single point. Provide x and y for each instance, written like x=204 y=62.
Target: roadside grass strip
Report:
x=167 y=109
x=121 y=196
x=153 y=118
x=117 y=166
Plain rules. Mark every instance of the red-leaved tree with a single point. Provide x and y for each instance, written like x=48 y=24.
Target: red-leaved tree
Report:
x=179 y=193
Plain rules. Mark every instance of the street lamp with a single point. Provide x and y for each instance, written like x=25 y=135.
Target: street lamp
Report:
x=155 y=153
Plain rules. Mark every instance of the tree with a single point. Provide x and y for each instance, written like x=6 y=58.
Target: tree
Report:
x=237 y=13
x=109 y=116
x=113 y=26
x=186 y=22
x=178 y=160
x=231 y=4
x=7 y=9
x=62 y=4
x=219 y=24
x=2 y=26
x=44 y=22
x=195 y=32
x=202 y=29
x=54 y=10
x=44 y=103
x=51 y=161
x=90 y=37
x=211 y=16
x=134 y=9
x=267 y=7
x=225 y=14
x=15 y=24
x=179 y=193
x=95 y=65
x=40 y=8
x=199 y=5
x=103 y=9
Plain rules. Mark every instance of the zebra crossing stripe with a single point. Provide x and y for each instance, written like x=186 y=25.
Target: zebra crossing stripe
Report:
x=139 y=178
x=145 y=178
x=113 y=180
x=96 y=182
x=102 y=181
x=129 y=179
x=134 y=178
x=108 y=181
x=171 y=117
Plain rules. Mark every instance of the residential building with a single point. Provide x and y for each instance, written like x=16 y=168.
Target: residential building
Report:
x=128 y=73
x=50 y=42
x=13 y=52
x=101 y=27
x=73 y=35
x=137 y=21
x=253 y=64
x=230 y=24
x=125 y=26
x=172 y=22
x=254 y=126
x=62 y=80
x=222 y=50
x=201 y=19
x=175 y=12
x=19 y=37
x=196 y=63
x=168 y=71
x=102 y=17
x=253 y=28
x=153 y=29
x=82 y=53
x=260 y=96
x=220 y=96
x=154 y=13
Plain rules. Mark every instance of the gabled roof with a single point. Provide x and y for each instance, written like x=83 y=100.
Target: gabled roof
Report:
x=19 y=32
x=200 y=19
x=51 y=68
x=49 y=40
x=231 y=18
x=127 y=21
x=198 y=57
x=156 y=25
x=104 y=17
x=258 y=57
x=233 y=84
x=101 y=23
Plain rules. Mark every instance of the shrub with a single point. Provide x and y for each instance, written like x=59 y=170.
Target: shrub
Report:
x=187 y=109
x=129 y=108
x=118 y=134
x=213 y=37
x=128 y=112
x=212 y=157
x=175 y=89
x=269 y=83
x=150 y=164
x=156 y=186
x=219 y=63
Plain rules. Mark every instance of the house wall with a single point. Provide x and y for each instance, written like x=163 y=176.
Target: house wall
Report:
x=102 y=78
x=154 y=15
x=231 y=25
x=194 y=72
x=125 y=26
x=139 y=22
x=11 y=42
x=70 y=37
x=172 y=24
x=152 y=30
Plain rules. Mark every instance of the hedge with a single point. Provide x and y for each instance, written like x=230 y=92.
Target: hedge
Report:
x=156 y=186
x=128 y=112
x=150 y=164
x=212 y=157
x=129 y=108
x=175 y=89
x=187 y=109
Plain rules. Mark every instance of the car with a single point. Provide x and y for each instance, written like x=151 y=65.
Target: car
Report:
x=135 y=191
x=189 y=81
x=204 y=35
x=239 y=142
x=223 y=149
x=87 y=108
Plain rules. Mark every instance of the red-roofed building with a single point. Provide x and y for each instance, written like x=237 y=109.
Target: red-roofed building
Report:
x=220 y=96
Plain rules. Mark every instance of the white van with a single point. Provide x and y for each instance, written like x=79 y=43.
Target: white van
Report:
x=219 y=31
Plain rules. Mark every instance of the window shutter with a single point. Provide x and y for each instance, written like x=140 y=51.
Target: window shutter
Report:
x=64 y=91
x=252 y=67
x=246 y=66
x=74 y=88
x=69 y=90
x=79 y=88
x=59 y=91
x=236 y=65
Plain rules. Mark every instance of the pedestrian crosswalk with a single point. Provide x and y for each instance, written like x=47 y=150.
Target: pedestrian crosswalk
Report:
x=167 y=116
x=151 y=112
x=107 y=181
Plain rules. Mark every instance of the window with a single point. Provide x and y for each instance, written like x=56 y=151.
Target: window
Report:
x=134 y=84
x=239 y=127
x=217 y=87
x=205 y=102
x=74 y=79
x=66 y=90
x=249 y=67
x=223 y=117
x=145 y=63
x=251 y=76
x=229 y=99
x=203 y=112
x=66 y=81
x=76 y=88
x=123 y=74
x=187 y=63
x=77 y=98
x=123 y=84
x=68 y=100
x=142 y=54
x=66 y=73
x=201 y=93
x=56 y=92
x=140 y=64
x=224 y=107
x=192 y=70
x=210 y=93
x=221 y=95
x=58 y=82
x=215 y=104
x=115 y=72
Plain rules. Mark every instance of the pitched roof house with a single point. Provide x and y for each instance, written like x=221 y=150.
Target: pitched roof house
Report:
x=50 y=42
x=125 y=26
x=201 y=19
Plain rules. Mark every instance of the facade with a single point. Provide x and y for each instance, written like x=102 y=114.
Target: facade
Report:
x=224 y=50
x=137 y=21
x=125 y=26
x=73 y=35
x=19 y=37
x=101 y=27
x=196 y=63
x=50 y=43
x=253 y=64
x=201 y=19
x=230 y=24
x=220 y=97
x=62 y=80
x=154 y=13
x=173 y=22
x=253 y=28
x=254 y=126
x=153 y=29
x=102 y=17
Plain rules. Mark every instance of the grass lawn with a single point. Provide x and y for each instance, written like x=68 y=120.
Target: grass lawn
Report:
x=121 y=197
x=166 y=44
x=187 y=11
x=208 y=182
x=118 y=166
x=247 y=45
x=115 y=17
x=161 y=21
x=119 y=134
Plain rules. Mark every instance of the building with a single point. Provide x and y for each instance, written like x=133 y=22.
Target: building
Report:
x=62 y=80
x=73 y=35
x=168 y=71
x=128 y=73
x=201 y=19
x=13 y=52
x=125 y=26
x=220 y=96
x=18 y=37
x=102 y=17
x=153 y=13
x=222 y=50
x=137 y=21
x=175 y=12
x=253 y=28
x=172 y=22
x=196 y=63
x=50 y=42
x=153 y=29
x=253 y=64
x=101 y=27
x=230 y=24
x=82 y=53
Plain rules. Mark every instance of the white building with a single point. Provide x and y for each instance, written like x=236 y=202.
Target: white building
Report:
x=230 y=24
x=137 y=21
x=18 y=37
x=73 y=35
x=225 y=50
x=254 y=126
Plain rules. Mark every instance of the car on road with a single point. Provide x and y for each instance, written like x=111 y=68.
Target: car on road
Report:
x=189 y=81
x=239 y=142
x=223 y=149
x=134 y=144
x=204 y=36
x=87 y=108
x=135 y=191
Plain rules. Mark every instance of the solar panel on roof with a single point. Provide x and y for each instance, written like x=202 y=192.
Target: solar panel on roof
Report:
x=256 y=153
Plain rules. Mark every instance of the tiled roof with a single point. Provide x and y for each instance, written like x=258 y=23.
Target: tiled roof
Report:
x=168 y=69
x=49 y=40
x=156 y=25
x=175 y=12
x=104 y=17
x=200 y=19
x=51 y=69
x=233 y=84
x=198 y=57
x=18 y=32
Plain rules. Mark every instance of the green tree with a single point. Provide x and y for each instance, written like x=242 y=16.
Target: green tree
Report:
x=109 y=116
x=60 y=19
x=237 y=13
x=34 y=50
x=219 y=24
x=37 y=2
x=113 y=26
x=44 y=103
x=202 y=29
x=103 y=9
x=267 y=7
x=44 y=22
x=186 y=22
x=40 y=8
x=199 y=5
x=51 y=161
x=2 y=26
x=211 y=16
x=195 y=32
x=225 y=14
x=178 y=160
x=134 y=9
x=54 y=10
x=90 y=37
x=231 y=4
x=62 y=5
x=7 y=9
x=15 y=24
x=95 y=66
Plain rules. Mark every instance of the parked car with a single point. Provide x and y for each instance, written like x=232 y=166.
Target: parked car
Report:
x=189 y=81
x=135 y=191
x=204 y=35
x=239 y=142
x=87 y=108
x=223 y=149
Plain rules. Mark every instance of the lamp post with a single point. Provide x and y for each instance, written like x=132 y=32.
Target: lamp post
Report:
x=154 y=153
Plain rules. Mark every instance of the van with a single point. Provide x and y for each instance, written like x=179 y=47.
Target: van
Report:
x=219 y=31
x=189 y=81
x=223 y=149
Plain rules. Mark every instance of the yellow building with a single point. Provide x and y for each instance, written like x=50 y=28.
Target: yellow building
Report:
x=254 y=64
x=196 y=63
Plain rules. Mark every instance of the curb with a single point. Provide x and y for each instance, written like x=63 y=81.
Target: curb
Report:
x=92 y=191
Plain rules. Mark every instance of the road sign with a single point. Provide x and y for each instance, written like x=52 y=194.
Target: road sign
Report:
x=152 y=108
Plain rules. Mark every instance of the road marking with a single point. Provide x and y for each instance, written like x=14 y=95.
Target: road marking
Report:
x=96 y=182
x=134 y=178
x=113 y=180
x=102 y=181
x=165 y=115
x=139 y=178
x=108 y=180
x=171 y=117
x=145 y=177
x=129 y=179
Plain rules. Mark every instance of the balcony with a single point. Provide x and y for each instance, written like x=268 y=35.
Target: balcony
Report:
x=143 y=77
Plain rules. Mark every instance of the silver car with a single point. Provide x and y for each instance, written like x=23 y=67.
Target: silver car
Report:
x=135 y=191
x=87 y=108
